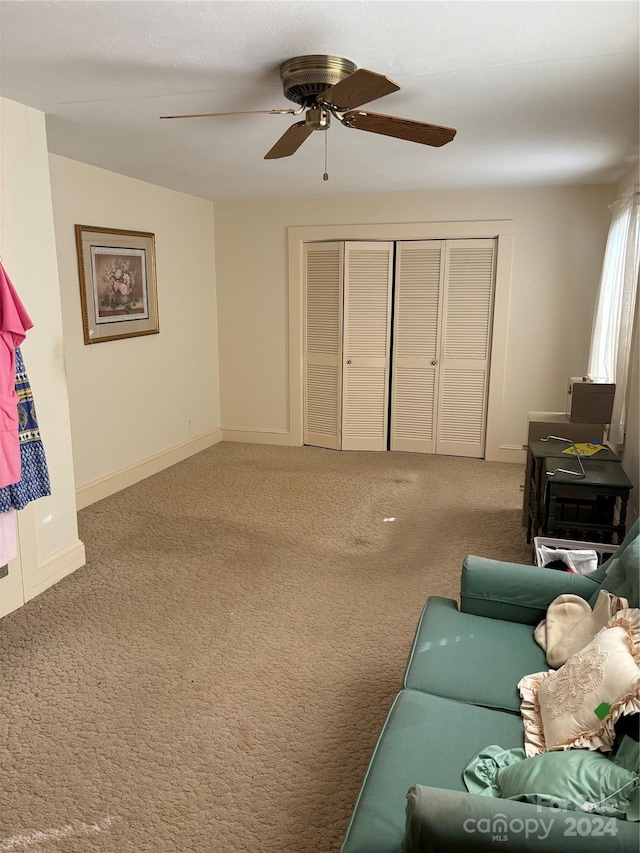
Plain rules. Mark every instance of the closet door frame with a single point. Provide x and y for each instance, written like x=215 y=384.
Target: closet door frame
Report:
x=501 y=230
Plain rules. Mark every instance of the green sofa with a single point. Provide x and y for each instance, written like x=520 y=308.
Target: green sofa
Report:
x=459 y=695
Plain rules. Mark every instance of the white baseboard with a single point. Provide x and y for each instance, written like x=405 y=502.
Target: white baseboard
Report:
x=89 y=493
x=53 y=568
x=512 y=453
x=257 y=436
x=96 y=490
x=506 y=452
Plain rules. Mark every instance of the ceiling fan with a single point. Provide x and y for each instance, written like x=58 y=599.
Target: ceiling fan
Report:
x=325 y=86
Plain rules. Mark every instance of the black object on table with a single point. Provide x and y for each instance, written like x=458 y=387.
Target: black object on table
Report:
x=590 y=507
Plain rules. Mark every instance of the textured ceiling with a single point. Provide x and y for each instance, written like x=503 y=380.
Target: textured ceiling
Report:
x=541 y=93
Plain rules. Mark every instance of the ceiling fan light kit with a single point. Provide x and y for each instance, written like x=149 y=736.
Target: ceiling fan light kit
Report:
x=323 y=86
x=317 y=119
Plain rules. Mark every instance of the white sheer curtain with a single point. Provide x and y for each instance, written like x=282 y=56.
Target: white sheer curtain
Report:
x=613 y=320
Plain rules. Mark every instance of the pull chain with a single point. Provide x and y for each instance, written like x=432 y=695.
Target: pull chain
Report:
x=325 y=177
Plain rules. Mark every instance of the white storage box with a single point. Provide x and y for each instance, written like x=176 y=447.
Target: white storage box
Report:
x=602 y=549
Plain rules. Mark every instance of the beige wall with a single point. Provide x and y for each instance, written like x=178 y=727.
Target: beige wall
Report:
x=145 y=398
x=559 y=239
x=48 y=532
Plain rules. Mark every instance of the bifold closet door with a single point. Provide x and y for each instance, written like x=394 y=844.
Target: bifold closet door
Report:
x=347 y=310
x=442 y=333
x=323 y=297
x=416 y=345
x=441 y=345
x=467 y=309
x=368 y=269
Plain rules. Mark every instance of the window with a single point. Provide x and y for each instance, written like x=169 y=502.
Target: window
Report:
x=613 y=320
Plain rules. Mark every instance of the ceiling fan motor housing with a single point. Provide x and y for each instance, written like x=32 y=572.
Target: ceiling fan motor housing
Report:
x=305 y=78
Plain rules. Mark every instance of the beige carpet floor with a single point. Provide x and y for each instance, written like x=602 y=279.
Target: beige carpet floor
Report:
x=216 y=676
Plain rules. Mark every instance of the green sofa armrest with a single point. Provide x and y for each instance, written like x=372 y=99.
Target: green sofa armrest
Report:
x=515 y=592
x=439 y=821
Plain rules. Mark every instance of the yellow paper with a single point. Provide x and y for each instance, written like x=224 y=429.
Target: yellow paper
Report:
x=585 y=449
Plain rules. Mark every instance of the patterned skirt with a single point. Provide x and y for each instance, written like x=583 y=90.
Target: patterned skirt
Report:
x=34 y=480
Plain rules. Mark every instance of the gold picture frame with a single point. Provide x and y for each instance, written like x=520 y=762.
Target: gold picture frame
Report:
x=118 y=288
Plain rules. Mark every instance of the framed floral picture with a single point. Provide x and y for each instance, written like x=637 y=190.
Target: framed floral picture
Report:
x=118 y=289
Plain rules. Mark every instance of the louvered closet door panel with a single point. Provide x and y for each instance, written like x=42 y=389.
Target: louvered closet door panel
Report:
x=466 y=323
x=365 y=378
x=323 y=344
x=419 y=275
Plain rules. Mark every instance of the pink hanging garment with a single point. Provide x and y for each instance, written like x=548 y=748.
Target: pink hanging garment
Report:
x=14 y=324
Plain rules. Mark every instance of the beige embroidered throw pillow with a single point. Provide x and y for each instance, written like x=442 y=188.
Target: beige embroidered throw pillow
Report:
x=578 y=705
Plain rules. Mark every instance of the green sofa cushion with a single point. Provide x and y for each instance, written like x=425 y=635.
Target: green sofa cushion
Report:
x=516 y=593
x=627 y=754
x=426 y=740
x=567 y=779
x=623 y=576
x=470 y=658
x=632 y=534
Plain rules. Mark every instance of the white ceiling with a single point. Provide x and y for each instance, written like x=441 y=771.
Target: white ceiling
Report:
x=541 y=93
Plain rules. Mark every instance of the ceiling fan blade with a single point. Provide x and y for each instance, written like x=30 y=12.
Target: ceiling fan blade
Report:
x=358 y=88
x=400 y=128
x=290 y=141
x=244 y=113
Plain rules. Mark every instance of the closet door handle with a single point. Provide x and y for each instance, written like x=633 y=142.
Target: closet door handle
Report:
x=349 y=361
x=434 y=363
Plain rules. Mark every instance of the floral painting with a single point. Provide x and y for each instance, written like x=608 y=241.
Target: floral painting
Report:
x=118 y=288
x=119 y=281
